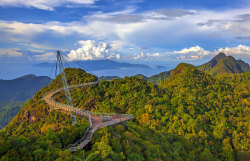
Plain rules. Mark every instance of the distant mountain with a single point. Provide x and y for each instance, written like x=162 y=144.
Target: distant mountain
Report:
x=212 y=63
x=219 y=64
x=224 y=64
x=91 y=65
x=227 y=65
x=157 y=78
x=108 y=77
x=21 y=89
x=184 y=68
x=141 y=76
x=44 y=65
x=187 y=74
x=14 y=92
x=160 y=67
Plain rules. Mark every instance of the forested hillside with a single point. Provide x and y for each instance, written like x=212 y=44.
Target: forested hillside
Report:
x=22 y=88
x=217 y=65
x=190 y=116
x=157 y=78
x=13 y=94
x=8 y=111
x=224 y=64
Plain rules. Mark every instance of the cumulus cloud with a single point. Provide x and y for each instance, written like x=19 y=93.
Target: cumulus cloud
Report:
x=197 y=52
x=146 y=56
x=240 y=51
x=43 y=4
x=138 y=28
x=143 y=53
x=193 y=53
x=91 y=50
x=166 y=29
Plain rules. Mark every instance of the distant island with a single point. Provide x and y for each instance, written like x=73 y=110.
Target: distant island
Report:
x=91 y=65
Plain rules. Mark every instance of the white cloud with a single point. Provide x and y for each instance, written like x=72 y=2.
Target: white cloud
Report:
x=147 y=56
x=143 y=55
x=234 y=22
x=240 y=51
x=128 y=16
x=163 y=29
x=91 y=50
x=195 y=52
x=45 y=56
x=108 y=26
x=43 y=4
x=10 y=53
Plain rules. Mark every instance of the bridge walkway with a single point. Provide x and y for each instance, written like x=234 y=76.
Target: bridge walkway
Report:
x=96 y=119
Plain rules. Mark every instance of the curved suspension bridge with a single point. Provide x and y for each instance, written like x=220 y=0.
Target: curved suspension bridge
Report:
x=96 y=119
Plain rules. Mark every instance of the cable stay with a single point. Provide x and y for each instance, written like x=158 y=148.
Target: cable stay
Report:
x=60 y=63
x=97 y=120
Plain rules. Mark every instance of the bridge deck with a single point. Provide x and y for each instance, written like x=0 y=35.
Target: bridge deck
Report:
x=95 y=118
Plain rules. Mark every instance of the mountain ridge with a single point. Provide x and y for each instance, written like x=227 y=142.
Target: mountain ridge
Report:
x=21 y=88
x=224 y=64
x=183 y=118
x=91 y=65
x=217 y=65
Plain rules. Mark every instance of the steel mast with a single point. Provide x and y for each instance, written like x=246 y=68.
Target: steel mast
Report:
x=59 y=63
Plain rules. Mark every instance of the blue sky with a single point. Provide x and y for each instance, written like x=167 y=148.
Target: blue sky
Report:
x=124 y=30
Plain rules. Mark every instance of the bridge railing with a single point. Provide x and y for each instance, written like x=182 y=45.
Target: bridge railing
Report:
x=80 y=140
x=74 y=110
x=118 y=120
x=86 y=113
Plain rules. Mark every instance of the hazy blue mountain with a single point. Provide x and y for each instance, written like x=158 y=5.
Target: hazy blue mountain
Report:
x=14 y=92
x=225 y=64
x=22 y=88
x=91 y=65
x=160 y=67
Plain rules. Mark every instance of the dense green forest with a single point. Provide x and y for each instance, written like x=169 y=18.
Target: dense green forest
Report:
x=8 y=111
x=224 y=64
x=217 y=65
x=191 y=115
x=13 y=94
x=157 y=78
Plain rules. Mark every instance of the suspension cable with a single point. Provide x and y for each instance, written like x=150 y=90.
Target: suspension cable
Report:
x=73 y=60
x=51 y=72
